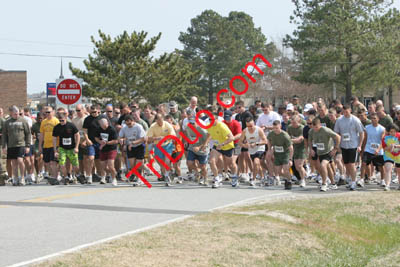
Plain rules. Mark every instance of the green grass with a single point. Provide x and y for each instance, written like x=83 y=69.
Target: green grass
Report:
x=361 y=229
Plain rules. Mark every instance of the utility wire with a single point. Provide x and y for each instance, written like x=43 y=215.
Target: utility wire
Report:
x=37 y=55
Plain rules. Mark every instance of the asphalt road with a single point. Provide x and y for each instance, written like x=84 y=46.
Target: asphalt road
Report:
x=41 y=220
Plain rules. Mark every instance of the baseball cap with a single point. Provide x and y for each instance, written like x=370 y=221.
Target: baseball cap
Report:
x=397 y=108
x=290 y=107
x=227 y=114
x=307 y=107
x=295 y=97
x=172 y=104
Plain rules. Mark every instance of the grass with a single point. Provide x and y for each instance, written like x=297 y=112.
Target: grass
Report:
x=361 y=229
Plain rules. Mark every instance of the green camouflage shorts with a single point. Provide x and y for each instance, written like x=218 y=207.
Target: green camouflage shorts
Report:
x=64 y=153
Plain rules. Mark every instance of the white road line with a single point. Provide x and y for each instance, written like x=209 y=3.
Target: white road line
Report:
x=74 y=249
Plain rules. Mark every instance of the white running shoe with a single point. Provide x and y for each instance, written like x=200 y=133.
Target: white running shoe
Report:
x=89 y=180
x=303 y=183
x=353 y=186
x=387 y=188
x=114 y=182
x=103 y=180
x=324 y=188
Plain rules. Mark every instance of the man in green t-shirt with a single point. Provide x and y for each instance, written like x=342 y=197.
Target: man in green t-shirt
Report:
x=327 y=144
x=384 y=119
x=295 y=131
x=280 y=146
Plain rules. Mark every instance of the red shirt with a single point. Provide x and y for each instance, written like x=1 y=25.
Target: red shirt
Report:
x=235 y=128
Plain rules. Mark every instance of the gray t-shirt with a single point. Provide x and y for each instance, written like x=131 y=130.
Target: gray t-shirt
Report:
x=192 y=136
x=349 y=130
x=132 y=133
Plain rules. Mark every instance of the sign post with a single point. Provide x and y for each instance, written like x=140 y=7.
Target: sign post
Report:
x=69 y=91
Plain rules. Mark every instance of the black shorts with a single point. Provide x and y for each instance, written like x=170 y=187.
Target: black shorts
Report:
x=227 y=153
x=48 y=154
x=31 y=150
x=258 y=154
x=315 y=154
x=15 y=152
x=136 y=152
x=397 y=165
x=325 y=157
x=369 y=158
x=243 y=149
x=349 y=155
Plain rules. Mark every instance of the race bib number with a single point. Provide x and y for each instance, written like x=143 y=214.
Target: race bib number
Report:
x=346 y=137
x=131 y=139
x=323 y=124
x=81 y=133
x=374 y=146
x=279 y=149
x=321 y=146
x=67 y=141
x=104 y=136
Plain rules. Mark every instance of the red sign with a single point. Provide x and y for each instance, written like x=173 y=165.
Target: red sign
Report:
x=69 y=91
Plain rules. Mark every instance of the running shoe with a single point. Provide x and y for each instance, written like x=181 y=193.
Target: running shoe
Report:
x=324 y=188
x=303 y=183
x=114 y=182
x=353 y=186
x=288 y=185
x=235 y=181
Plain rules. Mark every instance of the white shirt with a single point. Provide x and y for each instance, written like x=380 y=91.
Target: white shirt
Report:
x=268 y=119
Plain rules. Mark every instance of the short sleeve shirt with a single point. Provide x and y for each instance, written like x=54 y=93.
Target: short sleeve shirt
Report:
x=323 y=140
x=219 y=133
x=46 y=128
x=349 y=129
x=65 y=133
x=281 y=142
x=132 y=134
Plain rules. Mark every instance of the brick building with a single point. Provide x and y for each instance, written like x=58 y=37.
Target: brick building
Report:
x=12 y=89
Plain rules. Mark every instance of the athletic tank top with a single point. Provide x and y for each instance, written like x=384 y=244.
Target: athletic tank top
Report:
x=254 y=138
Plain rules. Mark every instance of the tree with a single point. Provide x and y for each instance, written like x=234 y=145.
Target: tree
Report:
x=220 y=46
x=123 y=69
x=348 y=34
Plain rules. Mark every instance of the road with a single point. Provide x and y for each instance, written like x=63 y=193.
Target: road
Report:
x=40 y=220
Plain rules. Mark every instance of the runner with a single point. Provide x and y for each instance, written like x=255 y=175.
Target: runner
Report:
x=295 y=131
x=372 y=147
x=107 y=137
x=91 y=127
x=46 y=143
x=391 y=146
x=29 y=157
x=265 y=122
x=78 y=122
x=16 y=137
x=199 y=151
x=324 y=140
x=236 y=130
x=256 y=142
x=157 y=131
x=384 y=119
x=351 y=130
x=280 y=148
x=133 y=136
x=68 y=136
x=223 y=144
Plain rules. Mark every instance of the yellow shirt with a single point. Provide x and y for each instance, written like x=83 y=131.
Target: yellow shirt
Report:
x=160 y=131
x=219 y=133
x=46 y=128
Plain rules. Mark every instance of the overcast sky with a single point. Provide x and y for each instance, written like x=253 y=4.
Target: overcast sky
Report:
x=64 y=28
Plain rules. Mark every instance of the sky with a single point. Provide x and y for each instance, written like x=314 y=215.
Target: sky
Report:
x=63 y=28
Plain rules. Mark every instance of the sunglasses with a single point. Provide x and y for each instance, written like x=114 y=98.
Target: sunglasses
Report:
x=109 y=111
x=61 y=120
x=78 y=110
x=93 y=111
x=47 y=112
x=117 y=113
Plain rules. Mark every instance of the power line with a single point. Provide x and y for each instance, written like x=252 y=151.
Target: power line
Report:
x=41 y=42
x=38 y=55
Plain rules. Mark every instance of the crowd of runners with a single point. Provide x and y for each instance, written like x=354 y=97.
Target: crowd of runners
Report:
x=329 y=143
